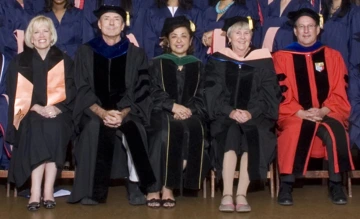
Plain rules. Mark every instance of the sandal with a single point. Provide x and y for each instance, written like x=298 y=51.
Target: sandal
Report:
x=168 y=203
x=33 y=206
x=242 y=208
x=226 y=207
x=49 y=204
x=153 y=203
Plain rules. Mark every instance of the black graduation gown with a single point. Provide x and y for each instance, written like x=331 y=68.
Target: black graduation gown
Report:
x=99 y=153
x=172 y=141
x=248 y=85
x=38 y=139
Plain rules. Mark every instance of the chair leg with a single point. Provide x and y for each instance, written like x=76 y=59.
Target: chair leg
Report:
x=15 y=192
x=349 y=184
x=212 y=184
x=272 y=188
x=8 y=190
x=277 y=180
x=204 y=188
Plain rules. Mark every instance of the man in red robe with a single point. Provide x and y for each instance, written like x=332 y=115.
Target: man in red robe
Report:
x=313 y=115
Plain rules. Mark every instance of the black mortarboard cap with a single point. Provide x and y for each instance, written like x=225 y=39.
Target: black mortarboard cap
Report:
x=179 y=21
x=110 y=8
x=295 y=15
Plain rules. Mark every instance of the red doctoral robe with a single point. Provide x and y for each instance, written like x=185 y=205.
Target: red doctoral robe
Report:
x=311 y=78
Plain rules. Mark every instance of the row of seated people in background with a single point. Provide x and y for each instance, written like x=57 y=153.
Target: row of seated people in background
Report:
x=152 y=130
x=78 y=25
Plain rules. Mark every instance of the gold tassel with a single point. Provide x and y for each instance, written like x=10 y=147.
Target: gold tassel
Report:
x=127 y=19
x=251 y=24
x=192 y=26
x=321 y=23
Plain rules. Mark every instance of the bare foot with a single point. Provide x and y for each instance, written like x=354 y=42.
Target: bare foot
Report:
x=153 y=200
x=168 y=198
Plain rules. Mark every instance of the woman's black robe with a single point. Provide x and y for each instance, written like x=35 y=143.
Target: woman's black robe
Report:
x=249 y=84
x=173 y=141
x=39 y=139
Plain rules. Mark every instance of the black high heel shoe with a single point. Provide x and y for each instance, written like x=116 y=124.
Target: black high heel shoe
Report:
x=33 y=206
x=49 y=204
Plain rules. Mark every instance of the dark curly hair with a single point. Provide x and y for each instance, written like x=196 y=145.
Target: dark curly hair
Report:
x=240 y=2
x=166 y=47
x=184 y=4
x=49 y=5
x=344 y=8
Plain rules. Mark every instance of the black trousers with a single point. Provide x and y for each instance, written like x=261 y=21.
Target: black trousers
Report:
x=324 y=135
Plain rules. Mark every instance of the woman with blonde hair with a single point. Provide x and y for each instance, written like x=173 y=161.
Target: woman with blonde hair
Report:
x=41 y=91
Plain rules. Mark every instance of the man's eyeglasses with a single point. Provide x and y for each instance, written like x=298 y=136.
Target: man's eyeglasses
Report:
x=309 y=27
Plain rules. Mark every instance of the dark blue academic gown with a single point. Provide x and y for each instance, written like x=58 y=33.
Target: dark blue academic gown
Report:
x=343 y=34
x=91 y=27
x=69 y=30
x=10 y=20
x=4 y=147
x=201 y=4
x=154 y=22
x=272 y=18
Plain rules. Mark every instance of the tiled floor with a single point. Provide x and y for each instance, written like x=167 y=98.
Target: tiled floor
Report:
x=310 y=202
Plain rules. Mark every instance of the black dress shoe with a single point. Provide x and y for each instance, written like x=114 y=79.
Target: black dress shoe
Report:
x=33 y=206
x=88 y=201
x=285 y=195
x=135 y=195
x=337 y=194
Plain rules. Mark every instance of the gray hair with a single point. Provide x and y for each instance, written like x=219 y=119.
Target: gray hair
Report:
x=238 y=25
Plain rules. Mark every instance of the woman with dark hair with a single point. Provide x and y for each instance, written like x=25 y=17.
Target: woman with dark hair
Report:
x=342 y=32
x=275 y=19
x=214 y=18
x=68 y=22
x=154 y=21
x=177 y=145
x=136 y=9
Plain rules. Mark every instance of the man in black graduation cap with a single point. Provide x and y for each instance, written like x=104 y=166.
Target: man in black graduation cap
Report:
x=314 y=112
x=112 y=101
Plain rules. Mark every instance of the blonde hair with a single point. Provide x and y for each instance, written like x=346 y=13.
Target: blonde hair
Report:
x=238 y=26
x=35 y=22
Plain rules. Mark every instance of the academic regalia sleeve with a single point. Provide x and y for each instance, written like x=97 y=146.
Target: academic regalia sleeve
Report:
x=289 y=105
x=3 y=64
x=70 y=89
x=216 y=93
x=150 y=38
x=337 y=100
x=354 y=56
x=85 y=95
x=137 y=95
x=88 y=21
x=269 y=97
x=196 y=18
x=10 y=91
x=161 y=99
x=354 y=74
x=197 y=103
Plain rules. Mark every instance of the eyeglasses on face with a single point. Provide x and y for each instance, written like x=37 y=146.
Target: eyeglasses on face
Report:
x=309 y=27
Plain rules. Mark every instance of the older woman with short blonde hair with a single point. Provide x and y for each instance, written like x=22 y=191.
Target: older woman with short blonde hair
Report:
x=41 y=91
x=241 y=93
